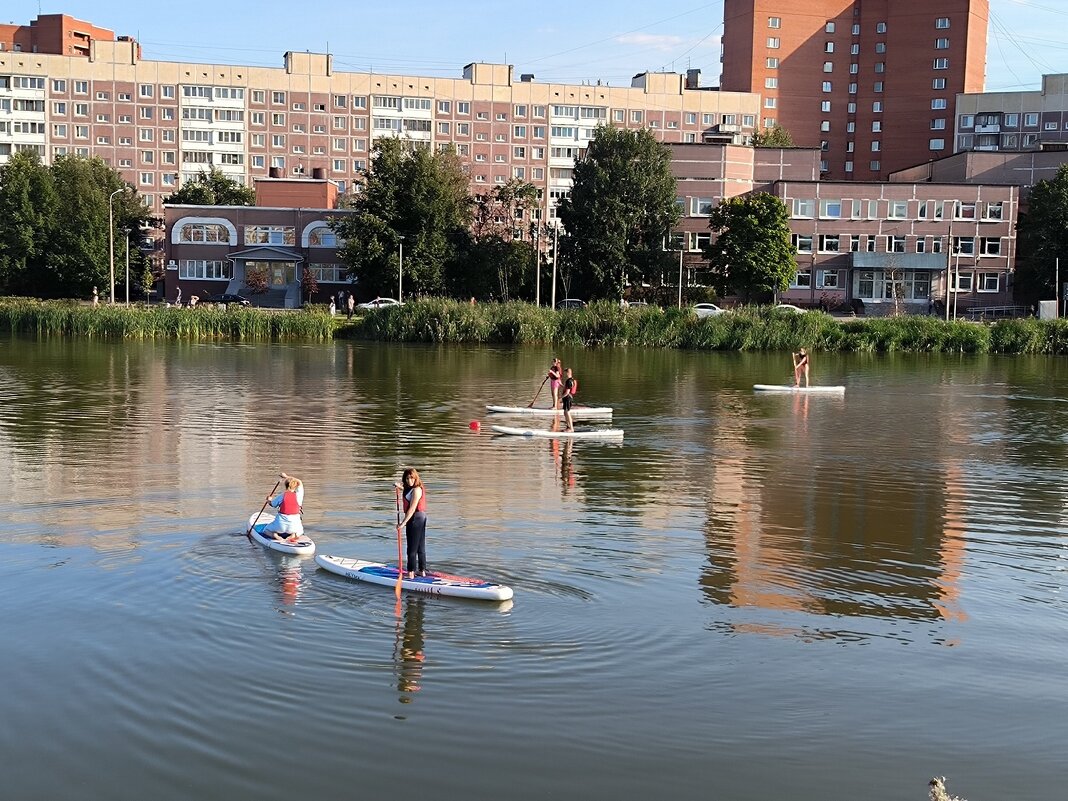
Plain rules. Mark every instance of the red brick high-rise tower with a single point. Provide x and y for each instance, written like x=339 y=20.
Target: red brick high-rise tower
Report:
x=870 y=82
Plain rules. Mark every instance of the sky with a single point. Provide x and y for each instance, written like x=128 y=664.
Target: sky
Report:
x=556 y=40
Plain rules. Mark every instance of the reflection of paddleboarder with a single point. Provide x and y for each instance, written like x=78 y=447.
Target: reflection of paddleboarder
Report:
x=800 y=360
x=409 y=656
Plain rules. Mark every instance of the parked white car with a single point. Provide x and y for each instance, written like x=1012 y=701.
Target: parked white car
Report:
x=707 y=310
x=378 y=303
x=790 y=308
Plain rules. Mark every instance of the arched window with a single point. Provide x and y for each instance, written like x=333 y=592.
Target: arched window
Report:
x=322 y=236
x=204 y=230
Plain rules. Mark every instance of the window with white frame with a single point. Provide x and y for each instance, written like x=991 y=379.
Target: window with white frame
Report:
x=831 y=209
x=827 y=279
x=270 y=235
x=964 y=245
x=802 y=242
x=993 y=211
x=804 y=207
x=962 y=282
x=701 y=206
x=937 y=144
x=964 y=210
x=989 y=282
x=895 y=243
x=829 y=243
x=990 y=246
x=802 y=280
x=206 y=270
x=897 y=209
x=942 y=23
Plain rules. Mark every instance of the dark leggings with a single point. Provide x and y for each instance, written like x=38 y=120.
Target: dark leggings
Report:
x=415 y=534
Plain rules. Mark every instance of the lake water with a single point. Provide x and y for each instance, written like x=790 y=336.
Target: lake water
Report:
x=751 y=598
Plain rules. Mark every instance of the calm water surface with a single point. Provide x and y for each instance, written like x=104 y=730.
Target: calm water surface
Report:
x=751 y=598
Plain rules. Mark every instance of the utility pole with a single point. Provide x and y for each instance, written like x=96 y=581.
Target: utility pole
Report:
x=1057 y=285
x=537 y=266
x=556 y=247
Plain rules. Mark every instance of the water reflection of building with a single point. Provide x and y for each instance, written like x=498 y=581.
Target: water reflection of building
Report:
x=799 y=525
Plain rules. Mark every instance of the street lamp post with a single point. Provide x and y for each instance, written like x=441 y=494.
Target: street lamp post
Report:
x=111 y=239
x=126 y=236
x=400 y=270
x=680 y=273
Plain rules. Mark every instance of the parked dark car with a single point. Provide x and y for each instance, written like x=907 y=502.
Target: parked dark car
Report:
x=238 y=299
x=571 y=303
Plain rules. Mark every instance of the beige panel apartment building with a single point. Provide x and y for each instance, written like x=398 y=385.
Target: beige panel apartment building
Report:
x=160 y=122
x=1014 y=121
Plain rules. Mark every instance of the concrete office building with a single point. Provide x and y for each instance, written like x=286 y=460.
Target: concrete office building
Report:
x=159 y=122
x=1014 y=121
x=873 y=84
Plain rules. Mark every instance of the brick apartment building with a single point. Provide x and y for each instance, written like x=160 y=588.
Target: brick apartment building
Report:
x=159 y=122
x=53 y=33
x=876 y=242
x=1014 y=121
x=873 y=84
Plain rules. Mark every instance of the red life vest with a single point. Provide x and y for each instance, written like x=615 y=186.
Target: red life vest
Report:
x=571 y=386
x=289 y=505
x=421 y=506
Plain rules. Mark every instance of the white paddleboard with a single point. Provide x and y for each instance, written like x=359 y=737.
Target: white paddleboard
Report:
x=588 y=433
x=304 y=546
x=577 y=412
x=792 y=388
x=433 y=583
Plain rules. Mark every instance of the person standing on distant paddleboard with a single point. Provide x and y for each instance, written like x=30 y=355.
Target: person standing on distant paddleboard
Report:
x=287 y=525
x=554 y=382
x=414 y=521
x=570 y=388
x=800 y=360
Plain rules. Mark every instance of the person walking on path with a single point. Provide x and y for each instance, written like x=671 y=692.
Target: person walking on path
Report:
x=351 y=304
x=414 y=521
x=800 y=360
x=178 y=297
x=570 y=388
x=96 y=297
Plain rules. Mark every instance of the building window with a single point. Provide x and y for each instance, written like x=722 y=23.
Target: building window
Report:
x=964 y=245
x=1030 y=120
x=938 y=144
x=942 y=23
x=205 y=270
x=829 y=243
x=828 y=66
x=827 y=279
x=876 y=126
x=895 y=243
x=769 y=83
x=802 y=280
x=770 y=102
x=988 y=282
x=854 y=50
x=771 y=63
x=941 y=64
x=938 y=83
x=854 y=68
x=938 y=124
x=829 y=28
x=880 y=27
x=802 y=243
x=875 y=166
x=828 y=47
x=990 y=246
x=880 y=66
x=938 y=103
x=876 y=146
x=825 y=106
x=804 y=207
x=831 y=209
x=701 y=206
x=897 y=209
x=773 y=43
x=270 y=235
x=962 y=282
x=774 y=22
x=942 y=44
x=825 y=125
x=826 y=86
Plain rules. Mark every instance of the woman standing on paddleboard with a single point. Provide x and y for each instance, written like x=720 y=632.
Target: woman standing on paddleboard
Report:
x=554 y=382
x=414 y=522
x=287 y=524
x=800 y=366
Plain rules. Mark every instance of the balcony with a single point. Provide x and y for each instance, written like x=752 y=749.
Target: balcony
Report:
x=981 y=129
x=985 y=147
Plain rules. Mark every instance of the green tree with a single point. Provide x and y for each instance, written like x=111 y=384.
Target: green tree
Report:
x=212 y=188
x=27 y=197
x=78 y=249
x=750 y=254
x=498 y=263
x=411 y=195
x=622 y=206
x=1043 y=238
x=775 y=136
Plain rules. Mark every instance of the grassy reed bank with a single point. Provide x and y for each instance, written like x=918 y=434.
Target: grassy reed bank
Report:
x=66 y=318
x=600 y=324
x=747 y=329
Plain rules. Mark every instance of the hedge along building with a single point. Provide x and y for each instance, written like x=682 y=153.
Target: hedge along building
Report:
x=217 y=250
x=901 y=245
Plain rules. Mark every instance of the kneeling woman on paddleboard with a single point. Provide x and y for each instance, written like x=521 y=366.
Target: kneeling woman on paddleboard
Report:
x=287 y=524
x=414 y=522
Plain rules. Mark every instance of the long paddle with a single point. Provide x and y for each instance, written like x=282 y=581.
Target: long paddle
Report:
x=400 y=566
x=257 y=519
x=536 y=394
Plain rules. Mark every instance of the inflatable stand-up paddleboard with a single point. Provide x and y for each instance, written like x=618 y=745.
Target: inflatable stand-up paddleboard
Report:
x=304 y=546
x=801 y=390
x=433 y=583
x=544 y=433
x=577 y=412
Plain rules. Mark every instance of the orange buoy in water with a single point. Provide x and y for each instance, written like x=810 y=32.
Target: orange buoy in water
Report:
x=475 y=425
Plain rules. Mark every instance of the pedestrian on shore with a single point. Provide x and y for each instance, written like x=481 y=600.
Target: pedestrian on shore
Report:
x=414 y=521
x=351 y=303
x=800 y=360
x=96 y=297
x=287 y=525
x=333 y=308
x=178 y=298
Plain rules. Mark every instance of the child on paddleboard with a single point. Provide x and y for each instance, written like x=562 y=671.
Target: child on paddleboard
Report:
x=570 y=388
x=414 y=521
x=287 y=525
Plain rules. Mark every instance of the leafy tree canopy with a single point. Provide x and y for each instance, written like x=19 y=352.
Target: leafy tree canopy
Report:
x=750 y=254
x=413 y=196
x=622 y=206
x=775 y=136
x=212 y=188
x=1043 y=237
x=54 y=226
